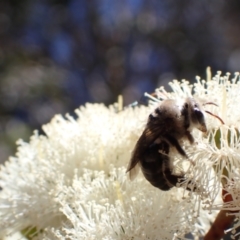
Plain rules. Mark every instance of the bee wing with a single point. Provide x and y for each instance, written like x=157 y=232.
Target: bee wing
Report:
x=134 y=172
x=145 y=140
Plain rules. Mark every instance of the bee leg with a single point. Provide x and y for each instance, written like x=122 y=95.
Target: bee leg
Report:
x=190 y=137
x=164 y=146
x=174 y=142
x=178 y=179
x=191 y=186
x=173 y=179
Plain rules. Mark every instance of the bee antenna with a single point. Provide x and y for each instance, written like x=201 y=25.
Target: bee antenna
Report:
x=215 y=116
x=210 y=103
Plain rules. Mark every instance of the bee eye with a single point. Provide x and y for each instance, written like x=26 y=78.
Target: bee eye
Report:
x=199 y=115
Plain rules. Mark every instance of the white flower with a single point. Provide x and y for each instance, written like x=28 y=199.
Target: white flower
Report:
x=216 y=156
x=71 y=183
x=112 y=208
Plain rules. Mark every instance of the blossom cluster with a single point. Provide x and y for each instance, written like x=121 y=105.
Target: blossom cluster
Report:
x=71 y=183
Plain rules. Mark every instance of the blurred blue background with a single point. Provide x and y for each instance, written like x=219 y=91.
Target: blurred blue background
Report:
x=57 y=55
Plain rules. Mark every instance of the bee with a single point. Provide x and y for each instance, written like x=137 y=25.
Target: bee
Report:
x=169 y=123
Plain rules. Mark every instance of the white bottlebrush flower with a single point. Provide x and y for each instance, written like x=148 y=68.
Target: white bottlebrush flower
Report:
x=71 y=183
x=216 y=156
x=111 y=208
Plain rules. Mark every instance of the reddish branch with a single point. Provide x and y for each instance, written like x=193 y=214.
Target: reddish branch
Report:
x=222 y=221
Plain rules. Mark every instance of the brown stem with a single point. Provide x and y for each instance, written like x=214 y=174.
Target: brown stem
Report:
x=222 y=221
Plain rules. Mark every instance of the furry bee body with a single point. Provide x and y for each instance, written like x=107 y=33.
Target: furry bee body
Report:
x=169 y=123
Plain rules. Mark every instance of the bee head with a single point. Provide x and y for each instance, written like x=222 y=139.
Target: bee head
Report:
x=196 y=115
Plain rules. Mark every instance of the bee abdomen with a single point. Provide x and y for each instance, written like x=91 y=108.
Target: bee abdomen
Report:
x=157 y=180
x=156 y=168
x=154 y=164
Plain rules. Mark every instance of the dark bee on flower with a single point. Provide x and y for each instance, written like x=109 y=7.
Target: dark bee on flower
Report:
x=170 y=122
